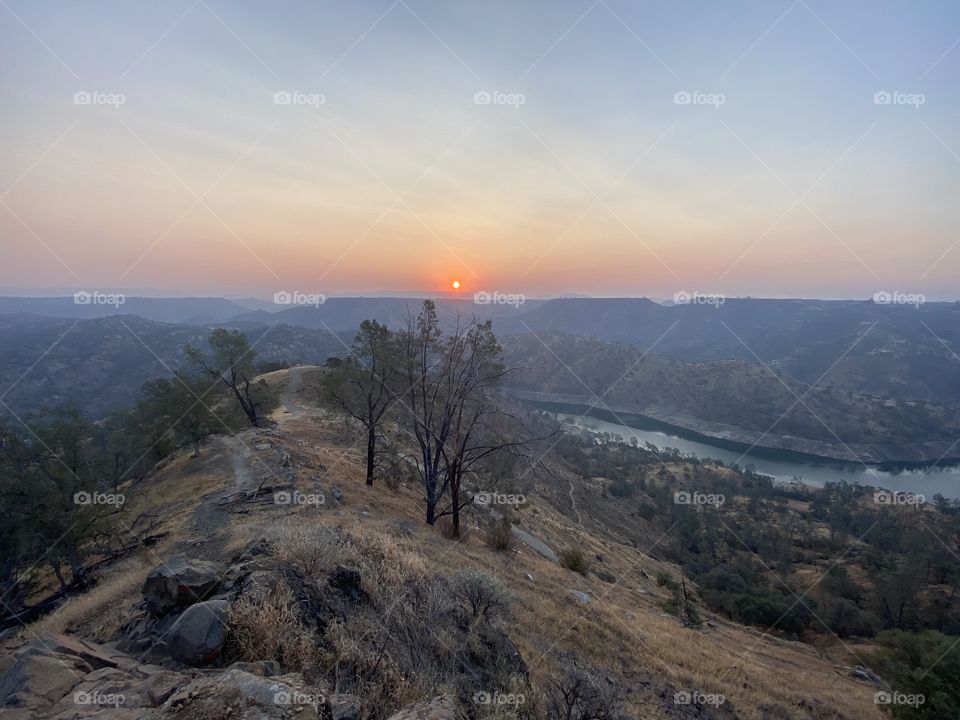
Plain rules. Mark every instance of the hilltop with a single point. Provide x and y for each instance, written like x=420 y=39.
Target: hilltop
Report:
x=348 y=555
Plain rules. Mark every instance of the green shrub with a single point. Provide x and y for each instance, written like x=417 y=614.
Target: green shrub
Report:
x=574 y=559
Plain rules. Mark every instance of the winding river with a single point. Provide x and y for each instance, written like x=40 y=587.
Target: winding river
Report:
x=781 y=465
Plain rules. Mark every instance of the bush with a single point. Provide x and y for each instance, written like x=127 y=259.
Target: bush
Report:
x=482 y=594
x=574 y=559
x=581 y=693
x=647 y=511
x=500 y=534
x=664 y=579
x=309 y=550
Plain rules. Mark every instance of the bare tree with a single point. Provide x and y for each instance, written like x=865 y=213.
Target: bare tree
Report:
x=230 y=362
x=359 y=385
x=447 y=385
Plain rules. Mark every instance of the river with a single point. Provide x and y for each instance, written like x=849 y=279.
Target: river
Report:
x=781 y=465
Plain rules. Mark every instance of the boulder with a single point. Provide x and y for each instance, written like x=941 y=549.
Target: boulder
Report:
x=180 y=582
x=198 y=635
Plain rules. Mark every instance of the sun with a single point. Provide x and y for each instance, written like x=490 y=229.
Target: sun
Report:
x=455 y=284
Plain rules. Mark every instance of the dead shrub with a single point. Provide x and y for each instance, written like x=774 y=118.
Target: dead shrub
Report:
x=269 y=628
x=311 y=551
x=387 y=567
x=481 y=593
x=499 y=535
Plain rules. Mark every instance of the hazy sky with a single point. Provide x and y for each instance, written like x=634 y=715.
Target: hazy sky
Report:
x=178 y=166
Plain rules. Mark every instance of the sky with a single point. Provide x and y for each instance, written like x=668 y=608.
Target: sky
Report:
x=775 y=148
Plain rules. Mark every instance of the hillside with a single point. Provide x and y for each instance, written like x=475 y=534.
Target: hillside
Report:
x=100 y=364
x=220 y=511
x=862 y=347
x=730 y=399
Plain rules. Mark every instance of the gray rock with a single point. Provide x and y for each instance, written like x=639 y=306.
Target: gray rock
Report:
x=580 y=597
x=180 y=582
x=344 y=707
x=865 y=674
x=260 y=668
x=540 y=547
x=198 y=635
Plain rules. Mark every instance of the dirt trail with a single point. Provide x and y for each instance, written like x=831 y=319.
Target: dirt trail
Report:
x=241 y=458
x=294 y=383
x=573 y=504
x=235 y=459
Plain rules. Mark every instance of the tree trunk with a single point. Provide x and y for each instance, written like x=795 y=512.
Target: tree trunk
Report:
x=431 y=511
x=371 y=452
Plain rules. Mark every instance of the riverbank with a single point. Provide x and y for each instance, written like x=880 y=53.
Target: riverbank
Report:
x=782 y=465
x=888 y=454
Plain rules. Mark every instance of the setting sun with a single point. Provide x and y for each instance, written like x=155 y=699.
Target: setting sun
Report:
x=455 y=284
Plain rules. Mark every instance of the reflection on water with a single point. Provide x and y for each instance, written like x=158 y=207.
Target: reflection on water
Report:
x=928 y=481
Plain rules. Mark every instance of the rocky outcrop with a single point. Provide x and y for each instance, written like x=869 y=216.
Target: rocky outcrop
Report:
x=60 y=676
x=180 y=582
x=238 y=694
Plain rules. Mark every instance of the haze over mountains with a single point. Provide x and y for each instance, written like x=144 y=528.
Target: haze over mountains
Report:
x=878 y=381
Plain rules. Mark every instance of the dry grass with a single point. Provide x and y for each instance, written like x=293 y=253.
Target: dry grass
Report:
x=622 y=629
x=308 y=549
x=99 y=612
x=269 y=628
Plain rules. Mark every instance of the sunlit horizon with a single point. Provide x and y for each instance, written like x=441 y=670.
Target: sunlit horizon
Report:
x=209 y=148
